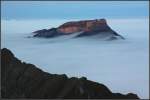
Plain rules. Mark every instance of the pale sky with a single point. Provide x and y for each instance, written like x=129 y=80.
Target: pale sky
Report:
x=73 y=9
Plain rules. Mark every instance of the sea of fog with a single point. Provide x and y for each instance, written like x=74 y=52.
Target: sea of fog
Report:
x=122 y=65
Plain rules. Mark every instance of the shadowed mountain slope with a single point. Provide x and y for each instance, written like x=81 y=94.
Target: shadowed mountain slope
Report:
x=22 y=80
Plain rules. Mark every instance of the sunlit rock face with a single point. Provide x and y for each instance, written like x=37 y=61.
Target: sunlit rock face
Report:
x=85 y=27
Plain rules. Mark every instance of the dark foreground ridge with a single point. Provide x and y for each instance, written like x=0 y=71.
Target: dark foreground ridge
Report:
x=84 y=28
x=22 y=80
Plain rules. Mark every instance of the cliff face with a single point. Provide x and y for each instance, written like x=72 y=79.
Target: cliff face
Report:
x=86 y=27
x=22 y=80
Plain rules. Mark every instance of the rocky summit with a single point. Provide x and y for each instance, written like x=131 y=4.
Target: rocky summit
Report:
x=22 y=80
x=97 y=27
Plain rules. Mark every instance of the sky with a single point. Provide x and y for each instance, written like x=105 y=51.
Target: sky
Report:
x=73 y=9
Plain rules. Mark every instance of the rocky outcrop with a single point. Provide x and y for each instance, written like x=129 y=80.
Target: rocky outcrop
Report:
x=86 y=27
x=22 y=80
x=47 y=33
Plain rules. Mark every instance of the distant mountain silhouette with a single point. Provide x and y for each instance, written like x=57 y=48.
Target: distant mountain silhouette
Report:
x=22 y=80
x=83 y=28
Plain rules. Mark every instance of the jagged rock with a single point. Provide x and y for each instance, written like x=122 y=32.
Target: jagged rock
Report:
x=86 y=27
x=22 y=80
x=48 y=33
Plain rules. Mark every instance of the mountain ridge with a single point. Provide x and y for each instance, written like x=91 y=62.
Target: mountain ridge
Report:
x=23 y=80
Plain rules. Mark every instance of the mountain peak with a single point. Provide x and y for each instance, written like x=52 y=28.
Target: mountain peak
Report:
x=85 y=27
